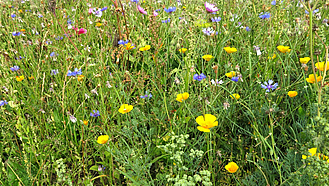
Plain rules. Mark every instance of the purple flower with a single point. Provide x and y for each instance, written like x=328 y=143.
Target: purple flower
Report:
x=208 y=31
x=314 y=11
x=103 y=9
x=3 y=102
x=170 y=9
x=268 y=85
x=13 y=15
x=135 y=1
x=97 y=13
x=166 y=21
x=273 y=2
x=54 y=72
x=101 y=168
x=155 y=13
x=146 y=95
x=94 y=113
x=141 y=10
x=211 y=8
x=236 y=79
x=16 y=33
x=247 y=28
x=199 y=77
x=265 y=15
x=53 y=54
x=14 y=68
x=216 y=19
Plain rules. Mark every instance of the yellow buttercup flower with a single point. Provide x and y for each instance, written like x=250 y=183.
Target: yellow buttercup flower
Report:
x=236 y=96
x=80 y=77
x=283 y=49
x=292 y=94
x=147 y=47
x=85 y=122
x=206 y=122
x=98 y=24
x=230 y=74
x=129 y=46
x=231 y=167
x=273 y=57
x=311 y=78
x=182 y=97
x=20 y=11
x=125 y=108
x=304 y=60
x=207 y=57
x=19 y=78
x=230 y=50
x=103 y=139
x=322 y=65
x=182 y=50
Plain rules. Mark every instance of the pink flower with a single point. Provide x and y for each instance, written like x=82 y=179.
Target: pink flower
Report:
x=210 y=7
x=155 y=13
x=90 y=11
x=141 y=10
x=82 y=31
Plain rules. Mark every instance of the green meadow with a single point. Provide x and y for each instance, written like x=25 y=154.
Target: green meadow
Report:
x=168 y=92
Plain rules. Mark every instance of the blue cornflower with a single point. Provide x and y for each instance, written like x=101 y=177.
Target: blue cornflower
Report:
x=69 y=21
x=122 y=42
x=40 y=16
x=53 y=54
x=273 y=2
x=170 y=9
x=199 y=77
x=135 y=1
x=14 y=68
x=74 y=73
x=265 y=15
x=94 y=113
x=103 y=9
x=158 y=10
x=59 y=38
x=13 y=15
x=268 y=85
x=3 y=102
x=216 y=19
x=314 y=11
x=166 y=21
x=248 y=29
x=236 y=79
x=146 y=95
x=16 y=33
x=54 y=72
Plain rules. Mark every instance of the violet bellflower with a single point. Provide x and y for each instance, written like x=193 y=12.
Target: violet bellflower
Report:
x=199 y=77
x=14 y=68
x=94 y=113
x=269 y=85
x=170 y=9
x=265 y=15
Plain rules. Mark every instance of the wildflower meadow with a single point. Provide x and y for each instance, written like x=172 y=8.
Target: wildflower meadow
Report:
x=164 y=92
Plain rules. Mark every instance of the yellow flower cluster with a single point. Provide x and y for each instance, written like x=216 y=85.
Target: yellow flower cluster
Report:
x=313 y=153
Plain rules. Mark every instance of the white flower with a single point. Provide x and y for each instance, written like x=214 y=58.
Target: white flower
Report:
x=73 y=119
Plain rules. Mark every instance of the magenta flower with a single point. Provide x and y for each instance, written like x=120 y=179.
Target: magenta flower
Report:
x=82 y=31
x=141 y=10
x=211 y=8
x=90 y=11
x=155 y=13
